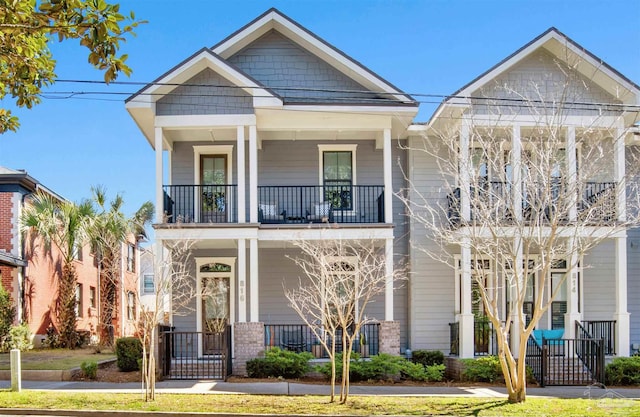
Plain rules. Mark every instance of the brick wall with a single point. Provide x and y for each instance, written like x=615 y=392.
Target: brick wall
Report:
x=390 y=337
x=7 y=239
x=248 y=343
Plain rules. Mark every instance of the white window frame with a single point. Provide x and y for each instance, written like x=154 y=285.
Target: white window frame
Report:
x=198 y=151
x=144 y=286
x=353 y=260
x=322 y=148
x=231 y=261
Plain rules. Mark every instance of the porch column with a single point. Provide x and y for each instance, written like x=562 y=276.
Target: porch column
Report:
x=465 y=204
x=573 y=309
x=465 y=317
x=516 y=289
x=619 y=172
x=572 y=171
x=253 y=174
x=388 y=183
x=242 y=218
x=516 y=175
x=388 y=287
x=621 y=315
x=253 y=277
x=242 y=280
x=159 y=174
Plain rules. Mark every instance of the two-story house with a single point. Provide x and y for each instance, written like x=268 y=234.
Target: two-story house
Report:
x=274 y=135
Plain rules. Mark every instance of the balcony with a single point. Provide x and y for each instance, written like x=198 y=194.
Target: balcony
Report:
x=595 y=205
x=278 y=204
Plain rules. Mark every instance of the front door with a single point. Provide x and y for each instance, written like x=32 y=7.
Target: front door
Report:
x=215 y=312
x=213 y=182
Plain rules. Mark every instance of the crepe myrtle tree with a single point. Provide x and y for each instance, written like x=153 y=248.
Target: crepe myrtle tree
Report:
x=175 y=287
x=340 y=279
x=525 y=201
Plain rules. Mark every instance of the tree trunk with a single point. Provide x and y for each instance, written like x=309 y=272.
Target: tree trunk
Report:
x=519 y=394
x=67 y=307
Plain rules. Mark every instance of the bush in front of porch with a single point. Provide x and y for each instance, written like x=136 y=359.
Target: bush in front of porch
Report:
x=278 y=363
x=623 y=371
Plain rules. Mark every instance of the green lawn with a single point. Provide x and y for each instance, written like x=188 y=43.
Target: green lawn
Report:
x=318 y=405
x=55 y=359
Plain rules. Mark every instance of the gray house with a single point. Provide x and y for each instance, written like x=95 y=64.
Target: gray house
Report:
x=274 y=135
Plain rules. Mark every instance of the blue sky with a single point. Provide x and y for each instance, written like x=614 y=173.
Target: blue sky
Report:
x=429 y=47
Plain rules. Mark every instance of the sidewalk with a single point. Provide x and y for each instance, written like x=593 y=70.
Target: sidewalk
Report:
x=292 y=388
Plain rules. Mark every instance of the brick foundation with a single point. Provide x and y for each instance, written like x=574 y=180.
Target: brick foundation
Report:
x=390 y=337
x=248 y=343
x=453 y=368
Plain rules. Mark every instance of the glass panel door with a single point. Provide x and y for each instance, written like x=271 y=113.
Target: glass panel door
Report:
x=215 y=311
x=338 y=179
x=213 y=180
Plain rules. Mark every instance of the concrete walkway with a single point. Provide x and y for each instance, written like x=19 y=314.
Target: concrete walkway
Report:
x=292 y=388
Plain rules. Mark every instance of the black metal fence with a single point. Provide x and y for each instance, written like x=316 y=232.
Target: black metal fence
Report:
x=195 y=355
x=201 y=203
x=577 y=361
x=596 y=203
x=300 y=338
x=485 y=339
x=605 y=330
x=454 y=339
x=321 y=204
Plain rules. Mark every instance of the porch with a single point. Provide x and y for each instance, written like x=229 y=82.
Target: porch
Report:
x=278 y=204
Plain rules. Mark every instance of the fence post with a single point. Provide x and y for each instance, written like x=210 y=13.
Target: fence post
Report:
x=543 y=365
x=16 y=372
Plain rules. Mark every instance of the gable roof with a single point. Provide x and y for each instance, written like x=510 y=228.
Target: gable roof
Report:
x=555 y=42
x=273 y=19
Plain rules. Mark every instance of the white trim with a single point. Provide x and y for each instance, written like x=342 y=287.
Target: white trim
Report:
x=322 y=148
x=232 y=278
x=242 y=280
x=254 y=291
x=242 y=183
x=159 y=175
x=198 y=151
x=203 y=121
x=253 y=174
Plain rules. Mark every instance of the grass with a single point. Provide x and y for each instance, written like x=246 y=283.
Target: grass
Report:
x=55 y=359
x=318 y=405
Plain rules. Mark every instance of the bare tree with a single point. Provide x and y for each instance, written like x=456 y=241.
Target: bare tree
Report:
x=525 y=198
x=175 y=288
x=342 y=277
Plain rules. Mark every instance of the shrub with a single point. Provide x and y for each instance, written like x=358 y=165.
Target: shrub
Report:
x=623 y=371
x=19 y=338
x=428 y=357
x=128 y=352
x=7 y=315
x=486 y=369
x=89 y=369
x=278 y=363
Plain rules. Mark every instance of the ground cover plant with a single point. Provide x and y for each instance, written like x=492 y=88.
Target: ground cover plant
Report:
x=318 y=405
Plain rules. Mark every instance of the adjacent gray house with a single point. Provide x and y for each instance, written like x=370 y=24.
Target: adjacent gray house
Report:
x=274 y=135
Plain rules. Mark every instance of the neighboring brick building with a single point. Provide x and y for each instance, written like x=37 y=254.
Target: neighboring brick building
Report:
x=30 y=271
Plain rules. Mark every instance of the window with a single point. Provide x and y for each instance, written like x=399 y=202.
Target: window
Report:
x=131 y=258
x=92 y=297
x=79 y=300
x=131 y=306
x=342 y=283
x=77 y=252
x=148 y=286
x=338 y=175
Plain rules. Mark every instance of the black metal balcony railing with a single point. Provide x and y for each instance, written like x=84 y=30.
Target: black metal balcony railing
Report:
x=336 y=203
x=300 y=338
x=200 y=203
x=602 y=329
x=596 y=203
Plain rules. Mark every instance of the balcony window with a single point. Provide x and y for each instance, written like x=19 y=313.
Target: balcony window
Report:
x=338 y=175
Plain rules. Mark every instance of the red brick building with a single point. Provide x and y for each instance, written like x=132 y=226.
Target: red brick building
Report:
x=30 y=271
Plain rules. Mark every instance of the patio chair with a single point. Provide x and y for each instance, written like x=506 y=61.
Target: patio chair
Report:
x=321 y=212
x=268 y=213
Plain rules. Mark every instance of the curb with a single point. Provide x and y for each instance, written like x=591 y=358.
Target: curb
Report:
x=50 y=375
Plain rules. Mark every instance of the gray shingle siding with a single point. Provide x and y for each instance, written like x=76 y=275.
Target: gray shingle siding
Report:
x=205 y=93
x=278 y=63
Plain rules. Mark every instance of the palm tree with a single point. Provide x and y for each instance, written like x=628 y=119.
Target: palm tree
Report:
x=63 y=224
x=110 y=229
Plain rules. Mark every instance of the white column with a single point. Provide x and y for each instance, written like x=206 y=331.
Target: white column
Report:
x=572 y=170
x=253 y=175
x=242 y=218
x=242 y=280
x=388 y=287
x=516 y=168
x=621 y=315
x=466 y=316
x=619 y=167
x=516 y=289
x=253 y=277
x=573 y=288
x=388 y=183
x=465 y=204
x=159 y=175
